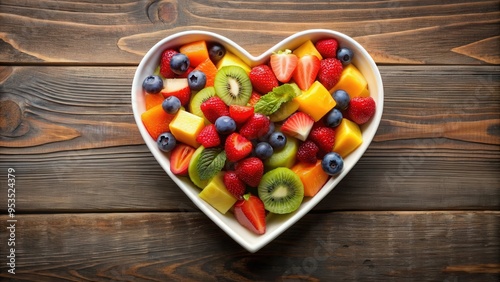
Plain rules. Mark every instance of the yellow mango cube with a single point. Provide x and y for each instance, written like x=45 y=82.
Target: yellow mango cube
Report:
x=316 y=101
x=353 y=82
x=307 y=48
x=230 y=59
x=216 y=194
x=347 y=138
x=186 y=126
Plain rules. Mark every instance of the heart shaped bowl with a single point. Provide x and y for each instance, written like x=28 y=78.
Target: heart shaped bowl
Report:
x=275 y=224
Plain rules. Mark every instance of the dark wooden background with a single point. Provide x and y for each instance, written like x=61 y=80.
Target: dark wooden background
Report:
x=92 y=204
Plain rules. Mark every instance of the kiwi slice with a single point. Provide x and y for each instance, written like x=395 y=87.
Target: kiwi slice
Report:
x=286 y=110
x=233 y=85
x=193 y=172
x=198 y=99
x=281 y=190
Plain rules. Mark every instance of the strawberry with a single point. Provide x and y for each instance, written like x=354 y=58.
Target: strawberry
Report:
x=307 y=152
x=213 y=108
x=240 y=114
x=253 y=99
x=165 y=70
x=306 y=71
x=329 y=72
x=283 y=65
x=298 y=125
x=263 y=79
x=361 y=109
x=208 y=137
x=251 y=214
x=237 y=147
x=180 y=158
x=250 y=171
x=327 y=47
x=324 y=137
x=234 y=185
x=257 y=126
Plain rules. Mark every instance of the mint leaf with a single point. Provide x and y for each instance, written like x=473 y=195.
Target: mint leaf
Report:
x=272 y=101
x=211 y=162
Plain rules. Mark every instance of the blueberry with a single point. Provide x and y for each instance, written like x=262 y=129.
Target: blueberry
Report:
x=342 y=99
x=216 y=52
x=263 y=150
x=197 y=80
x=171 y=105
x=333 y=118
x=344 y=55
x=179 y=63
x=225 y=125
x=166 y=142
x=265 y=137
x=332 y=163
x=277 y=140
x=152 y=84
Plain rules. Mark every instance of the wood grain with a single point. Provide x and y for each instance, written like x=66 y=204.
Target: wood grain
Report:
x=367 y=246
x=421 y=32
x=76 y=146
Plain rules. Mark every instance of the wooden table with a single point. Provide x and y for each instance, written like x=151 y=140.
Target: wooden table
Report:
x=92 y=204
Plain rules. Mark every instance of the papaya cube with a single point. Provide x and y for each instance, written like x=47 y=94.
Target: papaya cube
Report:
x=353 y=82
x=197 y=52
x=217 y=195
x=230 y=59
x=186 y=126
x=316 y=101
x=347 y=138
x=313 y=177
x=307 y=48
x=156 y=121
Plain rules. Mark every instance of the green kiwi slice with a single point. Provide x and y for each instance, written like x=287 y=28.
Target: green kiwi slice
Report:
x=233 y=85
x=281 y=190
x=198 y=98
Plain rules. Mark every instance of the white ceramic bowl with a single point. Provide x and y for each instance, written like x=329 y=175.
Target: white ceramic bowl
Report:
x=276 y=224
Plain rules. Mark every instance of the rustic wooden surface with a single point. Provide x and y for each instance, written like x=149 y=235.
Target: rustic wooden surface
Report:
x=92 y=204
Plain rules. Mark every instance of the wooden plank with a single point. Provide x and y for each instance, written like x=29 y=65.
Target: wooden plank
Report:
x=335 y=246
x=70 y=134
x=122 y=31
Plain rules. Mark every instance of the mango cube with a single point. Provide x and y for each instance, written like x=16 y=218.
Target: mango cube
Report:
x=347 y=138
x=186 y=126
x=316 y=101
x=307 y=48
x=353 y=82
x=230 y=59
x=216 y=194
x=313 y=177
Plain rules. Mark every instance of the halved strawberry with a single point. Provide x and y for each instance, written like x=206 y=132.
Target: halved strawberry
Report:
x=306 y=71
x=237 y=147
x=283 y=65
x=298 y=125
x=180 y=158
x=251 y=214
x=240 y=114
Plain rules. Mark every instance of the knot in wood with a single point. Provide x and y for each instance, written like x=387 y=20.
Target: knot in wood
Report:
x=11 y=116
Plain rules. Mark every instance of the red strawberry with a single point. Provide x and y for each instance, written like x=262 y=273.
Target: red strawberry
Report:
x=180 y=158
x=329 y=72
x=306 y=71
x=324 y=137
x=240 y=114
x=263 y=79
x=327 y=47
x=283 y=65
x=257 y=126
x=250 y=171
x=234 y=185
x=213 y=108
x=165 y=70
x=250 y=213
x=253 y=99
x=307 y=152
x=298 y=125
x=208 y=137
x=361 y=109
x=237 y=147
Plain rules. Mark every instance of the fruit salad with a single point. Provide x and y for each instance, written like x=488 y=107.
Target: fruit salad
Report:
x=257 y=139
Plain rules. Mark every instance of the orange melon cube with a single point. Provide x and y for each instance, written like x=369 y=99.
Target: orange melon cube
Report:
x=152 y=100
x=209 y=69
x=312 y=176
x=156 y=121
x=353 y=82
x=197 y=52
x=348 y=137
x=316 y=101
